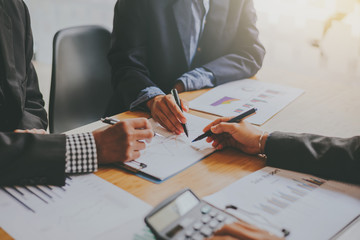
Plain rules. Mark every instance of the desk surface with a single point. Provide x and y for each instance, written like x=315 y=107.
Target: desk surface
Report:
x=325 y=108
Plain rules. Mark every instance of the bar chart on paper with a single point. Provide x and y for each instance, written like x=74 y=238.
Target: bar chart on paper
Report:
x=239 y=96
x=278 y=200
x=87 y=207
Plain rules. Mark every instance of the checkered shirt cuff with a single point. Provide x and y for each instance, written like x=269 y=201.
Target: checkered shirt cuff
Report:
x=81 y=154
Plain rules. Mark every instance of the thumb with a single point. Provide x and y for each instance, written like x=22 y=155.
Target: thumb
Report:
x=223 y=127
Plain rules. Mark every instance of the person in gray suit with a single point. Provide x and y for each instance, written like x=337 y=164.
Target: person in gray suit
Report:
x=187 y=45
x=326 y=157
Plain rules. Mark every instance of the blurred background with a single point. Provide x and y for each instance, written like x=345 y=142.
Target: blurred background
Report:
x=312 y=39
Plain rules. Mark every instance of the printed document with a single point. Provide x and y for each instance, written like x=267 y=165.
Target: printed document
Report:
x=168 y=153
x=307 y=207
x=233 y=98
x=87 y=207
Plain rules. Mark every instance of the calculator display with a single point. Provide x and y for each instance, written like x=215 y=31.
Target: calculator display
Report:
x=174 y=210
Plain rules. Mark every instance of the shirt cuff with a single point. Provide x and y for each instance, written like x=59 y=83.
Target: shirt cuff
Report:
x=81 y=156
x=145 y=95
x=197 y=79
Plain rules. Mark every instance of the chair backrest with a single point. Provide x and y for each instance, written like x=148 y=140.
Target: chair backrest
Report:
x=81 y=74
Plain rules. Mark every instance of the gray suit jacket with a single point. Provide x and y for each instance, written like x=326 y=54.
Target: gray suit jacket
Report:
x=326 y=157
x=150 y=43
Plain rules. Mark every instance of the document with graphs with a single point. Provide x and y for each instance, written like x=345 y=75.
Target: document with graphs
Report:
x=87 y=207
x=233 y=98
x=281 y=201
x=168 y=153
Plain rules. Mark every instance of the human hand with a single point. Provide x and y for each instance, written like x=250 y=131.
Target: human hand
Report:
x=243 y=231
x=121 y=142
x=34 y=131
x=164 y=110
x=242 y=136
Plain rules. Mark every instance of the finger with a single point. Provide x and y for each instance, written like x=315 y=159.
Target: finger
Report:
x=141 y=134
x=19 y=131
x=165 y=122
x=184 y=105
x=139 y=123
x=223 y=127
x=217 y=121
x=175 y=109
x=139 y=146
x=209 y=139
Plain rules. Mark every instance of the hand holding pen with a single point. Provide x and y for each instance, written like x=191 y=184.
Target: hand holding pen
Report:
x=177 y=100
x=122 y=141
x=166 y=112
x=236 y=119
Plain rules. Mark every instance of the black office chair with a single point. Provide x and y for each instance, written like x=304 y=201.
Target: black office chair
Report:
x=80 y=83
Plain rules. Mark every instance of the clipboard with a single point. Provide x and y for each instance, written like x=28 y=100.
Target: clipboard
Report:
x=169 y=154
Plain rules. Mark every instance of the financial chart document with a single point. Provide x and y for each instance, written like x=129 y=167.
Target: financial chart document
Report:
x=168 y=153
x=87 y=207
x=307 y=207
x=236 y=97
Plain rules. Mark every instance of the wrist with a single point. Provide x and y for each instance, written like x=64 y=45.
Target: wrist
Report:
x=179 y=86
x=262 y=142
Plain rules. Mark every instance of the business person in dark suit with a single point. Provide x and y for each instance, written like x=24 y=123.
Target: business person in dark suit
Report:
x=21 y=103
x=327 y=157
x=28 y=158
x=187 y=45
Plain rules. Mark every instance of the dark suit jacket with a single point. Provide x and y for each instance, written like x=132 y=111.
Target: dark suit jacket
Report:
x=24 y=158
x=326 y=157
x=23 y=107
x=150 y=43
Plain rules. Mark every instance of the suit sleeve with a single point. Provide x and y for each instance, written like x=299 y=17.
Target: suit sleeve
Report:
x=326 y=157
x=128 y=55
x=34 y=115
x=246 y=54
x=32 y=159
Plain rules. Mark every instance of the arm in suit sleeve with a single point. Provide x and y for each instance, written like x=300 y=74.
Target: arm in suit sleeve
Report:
x=31 y=159
x=128 y=54
x=34 y=115
x=246 y=54
x=327 y=157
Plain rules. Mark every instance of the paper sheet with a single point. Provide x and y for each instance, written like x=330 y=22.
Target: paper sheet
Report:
x=88 y=207
x=169 y=153
x=307 y=206
x=233 y=98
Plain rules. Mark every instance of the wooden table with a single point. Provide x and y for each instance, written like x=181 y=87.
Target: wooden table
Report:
x=325 y=108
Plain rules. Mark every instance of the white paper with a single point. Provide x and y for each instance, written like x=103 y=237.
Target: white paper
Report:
x=169 y=153
x=233 y=98
x=88 y=207
x=274 y=199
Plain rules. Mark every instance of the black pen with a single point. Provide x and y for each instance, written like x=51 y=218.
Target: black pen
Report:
x=113 y=121
x=177 y=100
x=233 y=120
x=109 y=120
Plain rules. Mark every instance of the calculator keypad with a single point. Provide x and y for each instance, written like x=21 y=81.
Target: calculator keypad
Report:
x=210 y=220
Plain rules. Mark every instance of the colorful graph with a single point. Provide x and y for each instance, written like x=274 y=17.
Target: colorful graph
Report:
x=248 y=105
x=224 y=100
x=239 y=110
